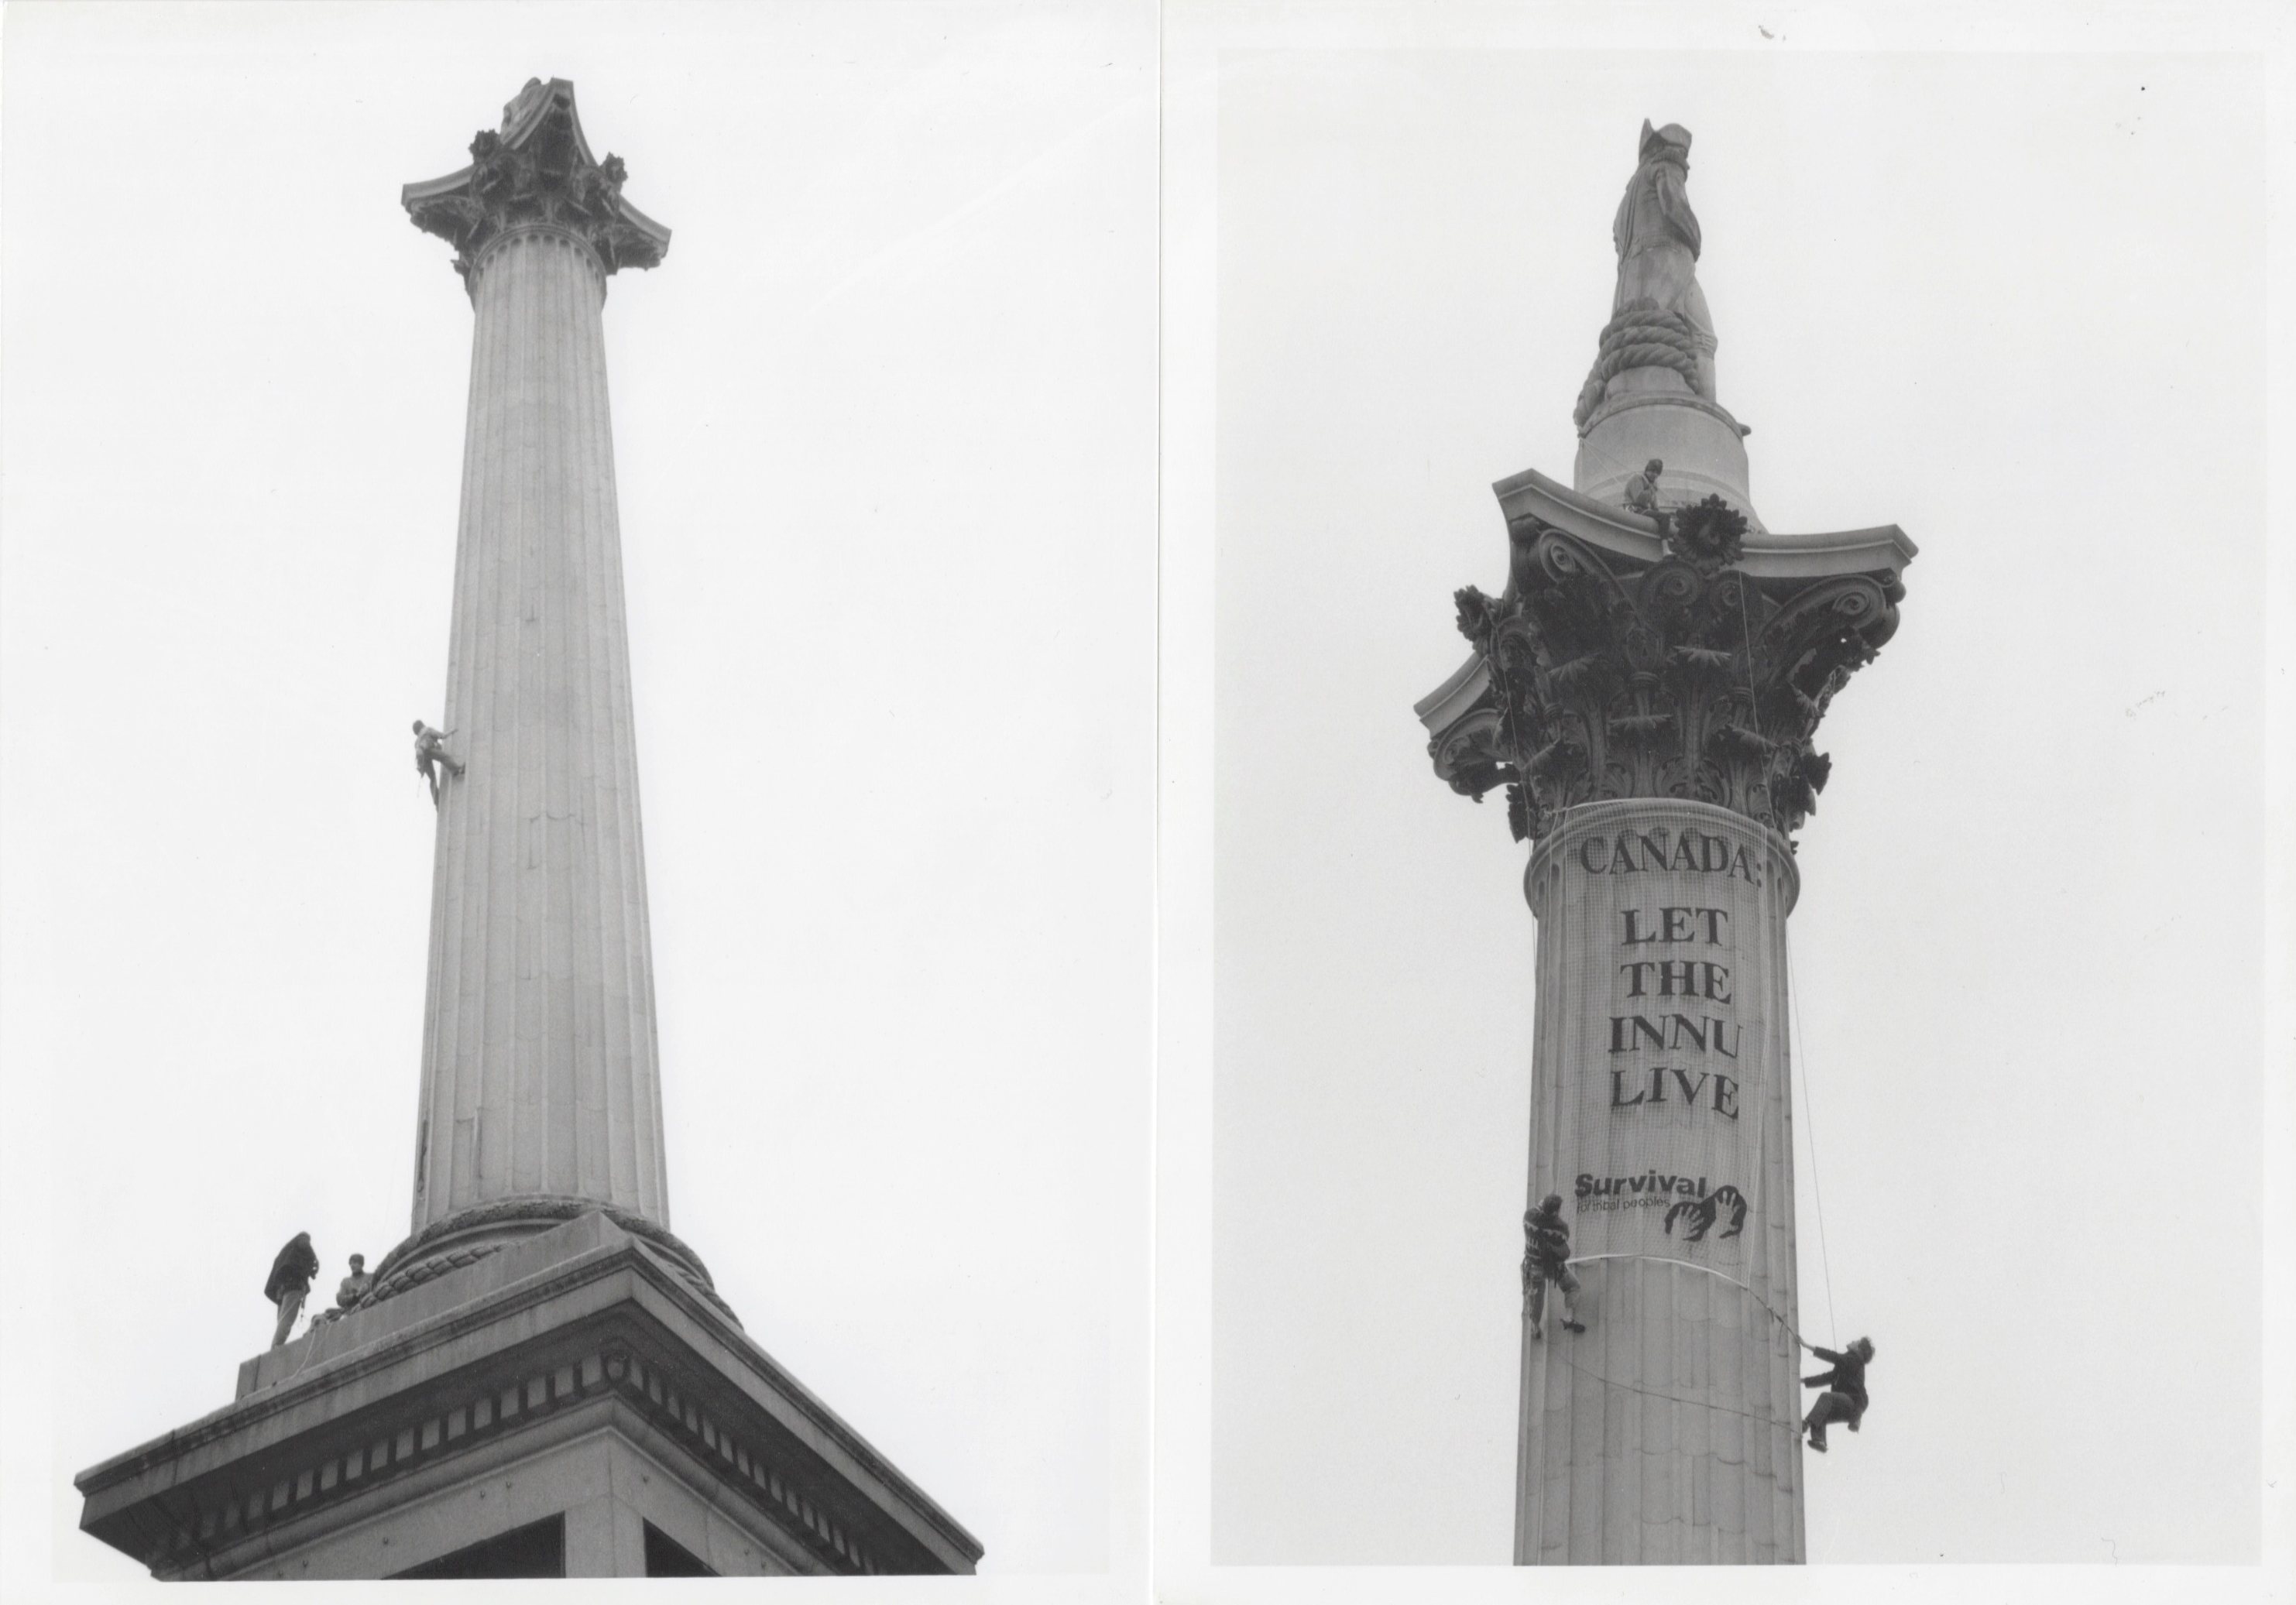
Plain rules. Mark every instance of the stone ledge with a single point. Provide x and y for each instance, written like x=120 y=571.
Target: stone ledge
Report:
x=1633 y=670
x=1530 y=495
x=551 y=1333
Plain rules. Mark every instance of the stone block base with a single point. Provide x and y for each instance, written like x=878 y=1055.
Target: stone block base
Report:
x=568 y=1396
x=1699 y=442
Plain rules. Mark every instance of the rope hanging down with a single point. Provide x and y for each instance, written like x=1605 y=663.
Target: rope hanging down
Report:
x=1671 y=1398
x=1817 y=1192
x=1688 y=1265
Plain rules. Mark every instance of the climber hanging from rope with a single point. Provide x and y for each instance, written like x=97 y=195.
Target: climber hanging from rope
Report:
x=1546 y=1257
x=1844 y=1399
x=431 y=756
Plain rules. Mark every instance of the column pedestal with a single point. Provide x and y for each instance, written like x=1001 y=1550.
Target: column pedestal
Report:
x=1702 y=444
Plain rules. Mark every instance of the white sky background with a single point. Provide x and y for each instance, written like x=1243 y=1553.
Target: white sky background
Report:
x=885 y=432
x=886 y=425
x=2011 y=303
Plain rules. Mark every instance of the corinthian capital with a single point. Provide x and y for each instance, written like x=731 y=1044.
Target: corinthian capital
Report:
x=536 y=170
x=1696 y=665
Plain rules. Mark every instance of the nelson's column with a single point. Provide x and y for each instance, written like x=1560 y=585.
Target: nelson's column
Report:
x=1644 y=692
x=540 y=1380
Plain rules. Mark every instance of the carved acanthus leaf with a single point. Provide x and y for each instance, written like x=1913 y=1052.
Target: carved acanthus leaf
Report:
x=1613 y=677
x=536 y=170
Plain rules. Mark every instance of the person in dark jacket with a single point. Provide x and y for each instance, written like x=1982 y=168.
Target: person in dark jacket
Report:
x=1844 y=1399
x=1546 y=1257
x=291 y=1283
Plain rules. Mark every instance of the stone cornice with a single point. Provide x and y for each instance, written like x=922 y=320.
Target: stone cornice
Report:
x=1532 y=496
x=773 y=1391
x=537 y=170
x=1627 y=671
x=619 y=1296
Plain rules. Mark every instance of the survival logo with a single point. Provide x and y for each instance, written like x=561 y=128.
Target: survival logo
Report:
x=1689 y=1203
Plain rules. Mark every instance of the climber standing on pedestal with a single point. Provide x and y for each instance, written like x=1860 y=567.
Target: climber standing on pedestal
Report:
x=290 y=1283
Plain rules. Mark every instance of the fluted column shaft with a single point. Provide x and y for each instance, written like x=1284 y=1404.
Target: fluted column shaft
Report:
x=540 y=1072
x=1669 y=1431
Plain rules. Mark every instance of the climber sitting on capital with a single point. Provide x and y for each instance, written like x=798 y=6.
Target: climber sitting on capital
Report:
x=1642 y=496
x=431 y=754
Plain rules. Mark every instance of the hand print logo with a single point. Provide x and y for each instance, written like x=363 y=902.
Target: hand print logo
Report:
x=1700 y=1213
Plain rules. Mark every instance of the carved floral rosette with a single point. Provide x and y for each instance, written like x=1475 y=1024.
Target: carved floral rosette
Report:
x=1615 y=679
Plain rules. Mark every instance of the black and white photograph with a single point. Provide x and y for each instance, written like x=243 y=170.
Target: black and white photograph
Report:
x=1727 y=596
x=1148 y=800
x=431 y=431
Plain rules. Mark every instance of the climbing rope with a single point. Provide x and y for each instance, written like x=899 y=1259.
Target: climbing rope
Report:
x=1652 y=1393
x=1692 y=1265
x=312 y=1331
x=1817 y=1192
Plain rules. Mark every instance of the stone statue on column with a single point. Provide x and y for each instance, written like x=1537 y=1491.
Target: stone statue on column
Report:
x=1657 y=314
x=1649 y=398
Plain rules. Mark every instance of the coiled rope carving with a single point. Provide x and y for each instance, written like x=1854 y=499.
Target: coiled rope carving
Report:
x=415 y=1262
x=423 y=1270
x=1640 y=335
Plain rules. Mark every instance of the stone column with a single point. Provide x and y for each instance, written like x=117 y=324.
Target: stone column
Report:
x=1666 y=1432
x=541 y=1094
x=1648 y=708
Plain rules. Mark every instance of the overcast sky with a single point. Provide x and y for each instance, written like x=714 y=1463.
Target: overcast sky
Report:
x=885 y=432
x=935 y=675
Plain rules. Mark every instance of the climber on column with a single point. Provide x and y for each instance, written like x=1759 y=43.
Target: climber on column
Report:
x=290 y=1283
x=1642 y=495
x=1844 y=1399
x=1546 y=1257
x=430 y=754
